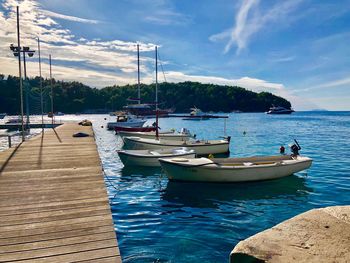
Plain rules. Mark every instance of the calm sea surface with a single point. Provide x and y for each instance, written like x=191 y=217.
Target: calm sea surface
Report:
x=161 y=221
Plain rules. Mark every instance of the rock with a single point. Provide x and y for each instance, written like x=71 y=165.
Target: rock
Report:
x=319 y=235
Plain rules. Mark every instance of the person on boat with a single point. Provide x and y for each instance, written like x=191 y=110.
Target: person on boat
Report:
x=295 y=148
x=282 y=150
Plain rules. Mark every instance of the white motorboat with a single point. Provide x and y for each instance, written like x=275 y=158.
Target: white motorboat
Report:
x=150 y=157
x=126 y=121
x=279 y=110
x=183 y=135
x=233 y=169
x=201 y=147
x=197 y=114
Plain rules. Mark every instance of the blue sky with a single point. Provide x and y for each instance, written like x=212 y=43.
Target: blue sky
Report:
x=298 y=49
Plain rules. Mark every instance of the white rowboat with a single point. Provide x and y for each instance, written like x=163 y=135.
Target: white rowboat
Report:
x=234 y=169
x=200 y=147
x=173 y=136
x=150 y=157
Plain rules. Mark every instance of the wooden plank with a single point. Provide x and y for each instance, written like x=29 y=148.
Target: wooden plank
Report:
x=91 y=255
x=61 y=250
x=56 y=229
x=53 y=201
x=54 y=206
x=88 y=230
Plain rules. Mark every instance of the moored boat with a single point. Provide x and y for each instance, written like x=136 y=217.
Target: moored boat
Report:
x=150 y=157
x=201 y=147
x=197 y=114
x=2 y=115
x=184 y=135
x=119 y=129
x=14 y=120
x=279 y=110
x=234 y=169
x=125 y=121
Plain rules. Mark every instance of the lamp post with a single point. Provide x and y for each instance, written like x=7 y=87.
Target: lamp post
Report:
x=16 y=52
x=41 y=90
x=26 y=51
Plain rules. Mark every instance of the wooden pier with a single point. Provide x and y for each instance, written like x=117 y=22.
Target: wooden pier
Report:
x=53 y=201
x=18 y=126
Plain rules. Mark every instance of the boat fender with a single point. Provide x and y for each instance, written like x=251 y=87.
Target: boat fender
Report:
x=194 y=136
x=228 y=138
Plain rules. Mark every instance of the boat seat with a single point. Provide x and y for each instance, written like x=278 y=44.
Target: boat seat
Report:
x=248 y=164
x=154 y=153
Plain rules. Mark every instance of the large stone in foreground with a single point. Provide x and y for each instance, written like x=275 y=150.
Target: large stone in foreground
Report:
x=319 y=235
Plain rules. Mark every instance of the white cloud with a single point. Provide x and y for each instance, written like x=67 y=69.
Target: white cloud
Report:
x=70 y=18
x=249 y=20
x=94 y=61
x=167 y=17
x=253 y=84
x=331 y=84
x=282 y=59
x=115 y=56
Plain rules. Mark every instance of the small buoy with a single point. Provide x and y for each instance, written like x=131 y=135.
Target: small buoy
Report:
x=102 y=126
x=210 y=156
x=244 y=132
x=105 y=118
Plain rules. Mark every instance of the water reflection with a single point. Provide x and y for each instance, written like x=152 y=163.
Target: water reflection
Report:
x=140 y=171
x=208 y=194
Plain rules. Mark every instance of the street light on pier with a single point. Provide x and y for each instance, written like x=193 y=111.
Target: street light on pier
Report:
x=16 y=52
x=25 y=51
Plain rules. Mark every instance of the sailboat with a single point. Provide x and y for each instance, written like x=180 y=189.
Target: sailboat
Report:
x=150 y=157
x=143 y=109
x=201 y=147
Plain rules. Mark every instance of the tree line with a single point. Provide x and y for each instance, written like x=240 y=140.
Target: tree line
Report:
x=75 y=97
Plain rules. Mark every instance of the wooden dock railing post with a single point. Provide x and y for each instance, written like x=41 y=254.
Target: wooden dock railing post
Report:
x=9 y=140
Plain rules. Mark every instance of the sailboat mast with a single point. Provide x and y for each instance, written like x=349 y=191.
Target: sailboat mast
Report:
x=156 y=78
x=138 y=72
x=157 y=133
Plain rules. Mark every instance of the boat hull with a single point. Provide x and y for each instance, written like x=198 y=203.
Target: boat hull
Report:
x=280 y=112
x=149 y=161
x=213 y=173
x=134 y=143
x=134 y=129
x=113 y=125
x=151 y=135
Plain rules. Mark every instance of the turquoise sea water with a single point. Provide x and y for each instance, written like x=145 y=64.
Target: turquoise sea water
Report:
x=161 y=221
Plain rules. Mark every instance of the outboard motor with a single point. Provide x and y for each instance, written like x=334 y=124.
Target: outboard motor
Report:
x=295 y=148
x=185 y=131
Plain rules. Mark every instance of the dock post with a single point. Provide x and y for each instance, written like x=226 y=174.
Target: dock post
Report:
x=9 y=140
